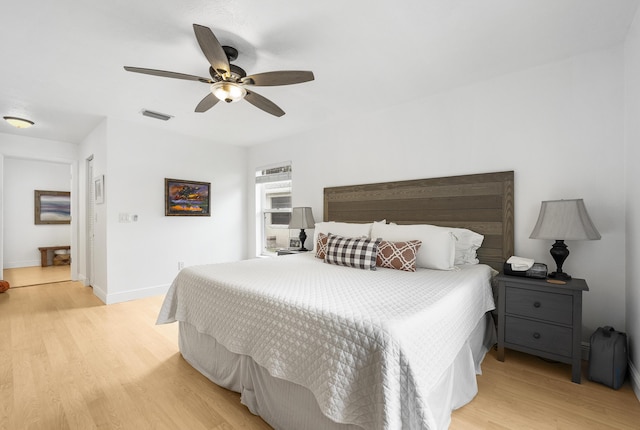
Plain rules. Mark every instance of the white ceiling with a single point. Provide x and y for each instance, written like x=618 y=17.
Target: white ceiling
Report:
x=62 y=61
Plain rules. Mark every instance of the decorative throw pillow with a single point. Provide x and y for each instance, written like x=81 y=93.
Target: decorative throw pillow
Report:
x=321 y=245
x=360 y=253
x=345 y=229
x=398 y=255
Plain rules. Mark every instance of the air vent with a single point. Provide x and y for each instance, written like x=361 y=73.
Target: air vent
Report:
x=156 y=115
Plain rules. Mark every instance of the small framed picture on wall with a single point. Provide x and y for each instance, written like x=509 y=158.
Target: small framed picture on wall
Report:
x=98 y=189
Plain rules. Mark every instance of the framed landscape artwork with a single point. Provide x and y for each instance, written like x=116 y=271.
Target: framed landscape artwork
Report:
x=186 y=198
x=52 y=207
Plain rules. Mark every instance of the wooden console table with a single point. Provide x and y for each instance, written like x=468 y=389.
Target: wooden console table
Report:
x=44 y=253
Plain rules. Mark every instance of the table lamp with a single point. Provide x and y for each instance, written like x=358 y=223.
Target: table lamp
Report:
x=562 y=220
x=302 y=218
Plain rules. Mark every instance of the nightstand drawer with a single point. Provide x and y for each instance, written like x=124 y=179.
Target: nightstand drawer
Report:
x=537 y=335
x=540 y=305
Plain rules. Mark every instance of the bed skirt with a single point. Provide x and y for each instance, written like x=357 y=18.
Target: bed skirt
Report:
x=286 y=405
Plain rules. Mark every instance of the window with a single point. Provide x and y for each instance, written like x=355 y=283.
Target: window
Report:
x=280 y=202
x=273 y=204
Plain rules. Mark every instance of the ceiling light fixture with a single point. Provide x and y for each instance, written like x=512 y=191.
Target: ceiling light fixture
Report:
x=18 y=122
x=228 y=91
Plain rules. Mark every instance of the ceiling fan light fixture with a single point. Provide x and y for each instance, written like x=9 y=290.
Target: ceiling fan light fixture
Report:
x=228 y=91
x=18 y=122
x=227 y=81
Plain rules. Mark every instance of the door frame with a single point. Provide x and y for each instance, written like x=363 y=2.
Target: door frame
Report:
x=89 y=223
x=73 y=165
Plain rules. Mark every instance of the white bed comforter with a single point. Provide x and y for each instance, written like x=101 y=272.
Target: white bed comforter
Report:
x=368 y=344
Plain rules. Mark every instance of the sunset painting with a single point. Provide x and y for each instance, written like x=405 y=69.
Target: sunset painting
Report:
x=187 y=198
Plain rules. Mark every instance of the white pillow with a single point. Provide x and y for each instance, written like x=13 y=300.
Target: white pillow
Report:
x=438 y=244
x=467 y=244
x=344 y=229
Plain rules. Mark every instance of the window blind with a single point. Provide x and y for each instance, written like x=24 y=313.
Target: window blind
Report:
x=274 y=174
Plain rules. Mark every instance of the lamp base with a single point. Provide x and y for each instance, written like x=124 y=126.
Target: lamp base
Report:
x=559 y=252
x=561 y=276
x=303 y=238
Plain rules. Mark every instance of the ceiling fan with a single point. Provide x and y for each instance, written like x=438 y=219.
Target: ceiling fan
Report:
x=229 y=82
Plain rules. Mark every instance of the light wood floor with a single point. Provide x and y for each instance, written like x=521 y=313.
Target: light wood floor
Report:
x=69 y=362
x=36 y=275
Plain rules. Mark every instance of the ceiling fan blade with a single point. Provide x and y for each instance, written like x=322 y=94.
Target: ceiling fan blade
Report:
x=212 y=49
x=283 y=77
x=263 y=103
x=207 y=103
x=166 y=74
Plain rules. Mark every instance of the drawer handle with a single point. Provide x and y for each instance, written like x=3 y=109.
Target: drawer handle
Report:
x=536 y=304
x=536 y=335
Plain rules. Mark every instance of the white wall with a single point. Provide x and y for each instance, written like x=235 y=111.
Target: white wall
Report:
x=142 y=257
x=12 y=145
x=94 y=145
x=22 y=236
x=558 y=126
x=632 y=155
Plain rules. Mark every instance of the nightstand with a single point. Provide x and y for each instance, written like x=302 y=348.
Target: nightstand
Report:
x=540 y=318
x=289 y=251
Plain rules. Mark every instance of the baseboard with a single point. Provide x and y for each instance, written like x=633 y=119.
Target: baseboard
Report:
x=100 y=293
x=140 y=293
x=634 y=377
x=20 y=264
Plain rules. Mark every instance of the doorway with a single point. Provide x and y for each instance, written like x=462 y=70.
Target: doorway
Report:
x=21 y=235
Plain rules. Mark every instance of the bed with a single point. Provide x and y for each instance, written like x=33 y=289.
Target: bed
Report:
x=311 y=345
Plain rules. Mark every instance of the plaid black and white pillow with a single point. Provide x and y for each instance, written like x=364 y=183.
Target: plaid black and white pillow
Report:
x=360 y=253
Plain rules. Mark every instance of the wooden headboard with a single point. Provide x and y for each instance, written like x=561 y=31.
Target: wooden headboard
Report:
x=482 y=203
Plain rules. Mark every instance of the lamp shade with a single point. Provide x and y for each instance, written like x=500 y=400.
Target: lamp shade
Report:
x=564 y=220
x=302 y=218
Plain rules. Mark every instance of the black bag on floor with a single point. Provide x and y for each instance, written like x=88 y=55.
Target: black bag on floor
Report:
x=608 y=357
